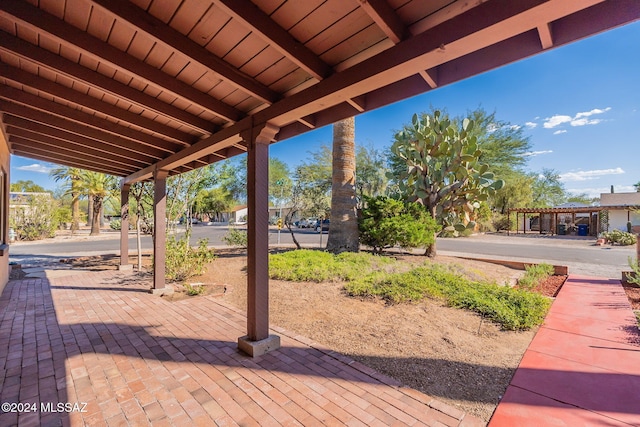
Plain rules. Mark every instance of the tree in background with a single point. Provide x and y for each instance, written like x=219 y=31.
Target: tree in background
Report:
x=371 y=173
x=35 y=217
x=637 y=186
x=442 y=169
x=71 y=179
x=343 y=232
x=28 y=186
x=213 y=202
x=280 y=183
x=548 y=190
x=98 y=187
x=182 y=190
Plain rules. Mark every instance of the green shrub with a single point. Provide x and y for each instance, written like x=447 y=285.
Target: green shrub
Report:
x=620 y=237
x=235 y=237
x=535 y=274
x=36 y=219
x=115 y=224
x=306 y=265
x=513 y=309
x=386 y=223
x=183 y=261
x=634 y=277
x=193 y=290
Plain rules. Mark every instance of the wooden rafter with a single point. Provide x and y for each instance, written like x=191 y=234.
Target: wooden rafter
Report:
x=94 y=79
x=253 y=18
x=88 y=102
x=39 y=20
x=50 y=125
x=386 y=18
x=69 y=160
x=165 y=34
x=19 y=97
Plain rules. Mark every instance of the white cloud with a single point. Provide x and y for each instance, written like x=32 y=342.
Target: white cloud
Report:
x=537 y=153
x=557 y=120
x=590 y=174
x=531 y=125
x=35 y=167
x=596 y=191
x=558 y=132
x=580 y=119
x=592 y=112
x=583 y=122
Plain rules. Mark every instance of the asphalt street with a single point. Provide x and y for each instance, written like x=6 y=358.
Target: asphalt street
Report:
x=581 y=255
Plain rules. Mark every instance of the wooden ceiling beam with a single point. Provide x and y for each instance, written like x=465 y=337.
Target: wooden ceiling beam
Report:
x=163 y=33
x=386 y=18
x=546 y=37
x=59 y=129
x=16 y=96
x=101 y=82
x=61 y=159
x=38 y=20
x=225 y=138
x=279 y=38
x=52 y=145
x=470 y=32
x=74 y=97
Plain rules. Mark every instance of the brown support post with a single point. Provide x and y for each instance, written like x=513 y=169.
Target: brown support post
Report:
x=159 y=232
x=124 y=229
x=258 y=341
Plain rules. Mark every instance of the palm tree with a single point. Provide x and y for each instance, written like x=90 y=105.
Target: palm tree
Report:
x=98 y=187
x=71 y=177
x=343 y=233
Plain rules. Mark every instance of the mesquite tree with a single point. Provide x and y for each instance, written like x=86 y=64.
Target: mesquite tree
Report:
x=443 y=170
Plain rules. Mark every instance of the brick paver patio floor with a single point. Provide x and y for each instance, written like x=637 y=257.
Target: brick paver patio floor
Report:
x=119 y=356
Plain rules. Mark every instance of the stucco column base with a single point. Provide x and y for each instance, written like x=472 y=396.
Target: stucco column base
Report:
x=258 y=348
x=125 y=267
x=167 y=290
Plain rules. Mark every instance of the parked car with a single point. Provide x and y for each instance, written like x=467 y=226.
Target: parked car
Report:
x=324 y=226
x=307 y=223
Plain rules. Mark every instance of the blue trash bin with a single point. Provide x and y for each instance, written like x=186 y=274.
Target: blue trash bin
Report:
x=583 y=229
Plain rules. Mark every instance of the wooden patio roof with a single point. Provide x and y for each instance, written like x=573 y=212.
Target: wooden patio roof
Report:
x=580 y=209
x=128 y=87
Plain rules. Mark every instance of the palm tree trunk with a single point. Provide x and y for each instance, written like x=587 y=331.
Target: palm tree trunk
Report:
x=75 y=212
x=95 y=219
x=343 y=230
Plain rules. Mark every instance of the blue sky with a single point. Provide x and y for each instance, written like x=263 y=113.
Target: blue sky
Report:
x=579 y=104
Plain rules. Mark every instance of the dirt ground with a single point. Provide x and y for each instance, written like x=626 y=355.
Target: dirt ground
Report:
x=453 y=355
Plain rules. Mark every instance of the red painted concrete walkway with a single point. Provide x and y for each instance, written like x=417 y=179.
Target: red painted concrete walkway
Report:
x=119 y=356
x=583 y=366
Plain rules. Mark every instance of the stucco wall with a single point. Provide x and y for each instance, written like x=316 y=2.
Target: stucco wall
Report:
x=4 y=211
x=618 y=219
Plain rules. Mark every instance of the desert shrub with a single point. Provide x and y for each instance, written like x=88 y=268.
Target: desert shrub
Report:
x=502 y=222
x=535 y=274
x=36 y=219
x=513 y=309
x=184 y=261
x=115 y=224
x=622 y=238
x=193 y=290
x=634 y=277
x=306 y=265
x=386 y=223
x=235 y=237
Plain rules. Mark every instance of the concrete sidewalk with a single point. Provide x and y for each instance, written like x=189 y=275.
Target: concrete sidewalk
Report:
x=583 y=366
